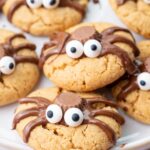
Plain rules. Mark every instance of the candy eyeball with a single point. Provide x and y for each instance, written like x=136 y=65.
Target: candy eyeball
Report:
x=74 y=49
x=147 y=1
x=34 y=3
x=7 y=65
x=54 y=113
x=143 y=81
x=73 y=117
x=92 y=48
x=50 y=4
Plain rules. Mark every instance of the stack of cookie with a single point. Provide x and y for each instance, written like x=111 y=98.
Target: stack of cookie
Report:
x=79 y=60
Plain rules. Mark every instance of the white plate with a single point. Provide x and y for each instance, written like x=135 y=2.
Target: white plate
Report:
x=135 y=136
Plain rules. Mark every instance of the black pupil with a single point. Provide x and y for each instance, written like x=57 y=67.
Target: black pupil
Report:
x=52 y=2
x=50 y=114
x=75 y=117
x=11 y=66
x=32 y=1
x=93 y=47
x=142 y=83
x=73 y=49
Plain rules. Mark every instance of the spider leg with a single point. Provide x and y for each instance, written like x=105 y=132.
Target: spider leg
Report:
x=73 y=4
x=112 y=30
x=123 y=55
x=24 y=114
x=24 y=46
x=14 y=7
x=20 y=59
x=117 y=38
x=128 y=88
x=108 y=130
x=31 y=125
x=118 y=118
x=19 y=35
x=40 y=101
x=91 y=101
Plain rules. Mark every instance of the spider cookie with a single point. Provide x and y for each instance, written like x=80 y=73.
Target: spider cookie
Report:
x=89 y=56
x=135 y=14
x=54 y=119
x=18 y=66
x=133 y=94
x=42 y=17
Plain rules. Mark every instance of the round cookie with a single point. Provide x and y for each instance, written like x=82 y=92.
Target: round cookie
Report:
x=133 y=94
x=19 y=71
x=42 y=17
x=55 y=119
x=135 y=14
x=69 y=61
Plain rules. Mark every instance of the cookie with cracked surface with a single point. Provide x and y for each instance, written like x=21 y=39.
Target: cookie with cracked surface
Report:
x=19 y=71
x=135 y=14
x=54 y=119
x=42 y=17
x=133 y=94
x=89 y=56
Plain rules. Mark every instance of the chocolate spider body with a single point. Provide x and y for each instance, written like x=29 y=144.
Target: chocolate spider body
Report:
x=105 y=39
x=138 y=81
x=9 y=52
x=71 y=110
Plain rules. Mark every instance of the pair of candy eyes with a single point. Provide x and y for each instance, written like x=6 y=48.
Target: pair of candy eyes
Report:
x=143 y=81
x=91 y=48
x=73 y=117
x=7 y=65
x=50 y=4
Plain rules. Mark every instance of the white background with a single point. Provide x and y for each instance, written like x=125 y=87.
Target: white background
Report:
x=136 y=136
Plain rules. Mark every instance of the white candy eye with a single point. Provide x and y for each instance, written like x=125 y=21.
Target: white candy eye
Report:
x=34 y=3
x=147 y=1
x=92 y=48
x=143 y=81
x=73 y=117
x=50 y=4
x=7 y=65
x=54 y=113
x=74 y=49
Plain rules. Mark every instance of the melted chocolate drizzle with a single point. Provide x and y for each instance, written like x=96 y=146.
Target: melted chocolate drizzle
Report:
x=121 y=2
x=6 y=49
x=107 y=39
x=132 y=84
x=66 y=101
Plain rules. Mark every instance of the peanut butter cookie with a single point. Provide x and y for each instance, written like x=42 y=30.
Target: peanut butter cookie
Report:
x=89 y=56
x=133 y=94
x=135 y=14
x=53 y=119
x=19 y=71
x=42 y=17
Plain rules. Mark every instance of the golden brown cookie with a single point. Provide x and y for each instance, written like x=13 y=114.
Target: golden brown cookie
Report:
x=59 y=120
x=42 y=17
x=89 y=56
x=135 y=14
x=133 y=94
x=19 y=71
